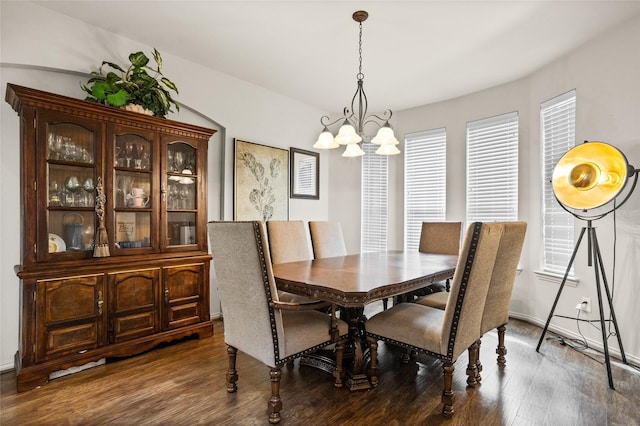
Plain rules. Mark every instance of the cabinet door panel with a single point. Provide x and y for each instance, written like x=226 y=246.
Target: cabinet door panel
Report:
x=70 y=315
x=133 y=304
x=67 y=145
x=183 y=222
x=133 y=192
x=183 y=295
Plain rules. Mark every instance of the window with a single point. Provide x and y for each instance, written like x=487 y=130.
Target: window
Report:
x=558 y=133
x=492 y=169
x=425 y=182
x=374 y=200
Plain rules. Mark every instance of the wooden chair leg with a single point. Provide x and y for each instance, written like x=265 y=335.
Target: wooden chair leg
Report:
x=275 y=403
x=232 y=373
x=338 y=373
x=372 y=371
x=385 y=303
x=501 y=350
x=478 y=363
x=472 y=368
x=447 y=393
x=406 y=356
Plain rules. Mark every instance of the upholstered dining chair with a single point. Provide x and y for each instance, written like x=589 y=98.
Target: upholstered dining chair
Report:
x=496 y=311
x=439 y=238
x=256 y=322
x=288 y=242
x=327 y=239
x=444 y=334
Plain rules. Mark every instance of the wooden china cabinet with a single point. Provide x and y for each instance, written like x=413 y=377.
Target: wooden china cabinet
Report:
x=153 y=286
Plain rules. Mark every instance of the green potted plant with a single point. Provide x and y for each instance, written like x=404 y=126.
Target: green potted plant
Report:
x=134 y=88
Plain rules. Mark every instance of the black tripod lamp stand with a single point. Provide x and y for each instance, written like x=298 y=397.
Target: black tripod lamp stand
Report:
x=587 y=181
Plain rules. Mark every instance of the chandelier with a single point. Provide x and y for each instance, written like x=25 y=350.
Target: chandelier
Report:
x=351 y=133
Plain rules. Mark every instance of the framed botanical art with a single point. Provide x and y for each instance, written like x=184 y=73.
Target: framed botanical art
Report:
x=305 y=177
x=261 y=182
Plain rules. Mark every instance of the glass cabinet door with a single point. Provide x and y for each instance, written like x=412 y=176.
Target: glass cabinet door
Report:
x=181 y=191
x=70 y=152
x=133 y=197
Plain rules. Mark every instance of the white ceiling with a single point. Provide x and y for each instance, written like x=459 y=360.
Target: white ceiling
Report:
x=414 y=52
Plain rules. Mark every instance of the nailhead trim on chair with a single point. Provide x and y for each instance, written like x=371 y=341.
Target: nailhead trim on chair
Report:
x=473 y=247
x=265 y=281
x=274 y=333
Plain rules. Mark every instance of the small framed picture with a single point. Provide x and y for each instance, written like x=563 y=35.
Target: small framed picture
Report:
x=305 y=176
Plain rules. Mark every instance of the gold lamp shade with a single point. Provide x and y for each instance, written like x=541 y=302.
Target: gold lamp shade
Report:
x=589 y=175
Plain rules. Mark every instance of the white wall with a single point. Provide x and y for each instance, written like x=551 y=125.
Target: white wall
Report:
x=606 y=74
x=51 y=52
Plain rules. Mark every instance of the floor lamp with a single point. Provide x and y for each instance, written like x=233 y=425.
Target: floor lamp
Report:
x=587 y=181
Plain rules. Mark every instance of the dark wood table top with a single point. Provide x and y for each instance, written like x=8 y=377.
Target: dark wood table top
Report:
x=358 y=279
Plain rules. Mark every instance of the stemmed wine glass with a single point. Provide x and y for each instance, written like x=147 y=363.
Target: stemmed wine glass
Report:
x=128 y=153
x=88 y=188
x=179 y=161
x=173 y=196
x=72 y=184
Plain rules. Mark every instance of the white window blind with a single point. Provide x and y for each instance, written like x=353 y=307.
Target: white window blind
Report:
x=425 y=180
x=557 y=130
x=374 y=200
x=492 y=169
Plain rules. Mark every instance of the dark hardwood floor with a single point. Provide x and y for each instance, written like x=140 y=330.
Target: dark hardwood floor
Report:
x=184 y=384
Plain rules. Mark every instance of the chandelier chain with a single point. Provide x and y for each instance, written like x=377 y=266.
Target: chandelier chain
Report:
x=360 y=76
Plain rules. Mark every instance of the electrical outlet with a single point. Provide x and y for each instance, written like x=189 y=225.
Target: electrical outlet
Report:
x=585 y=304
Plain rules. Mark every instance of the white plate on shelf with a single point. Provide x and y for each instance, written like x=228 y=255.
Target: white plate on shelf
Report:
x=56 y=244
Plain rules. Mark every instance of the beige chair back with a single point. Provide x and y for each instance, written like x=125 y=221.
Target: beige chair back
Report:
x=440 y=237
x=288 y=241
x=246 y=286
x=327 y=239
x=496 y=312
x=469 y=288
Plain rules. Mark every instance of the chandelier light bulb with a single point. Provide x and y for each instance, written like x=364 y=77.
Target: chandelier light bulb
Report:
x=385 y=136
x=353 y=150
x=387 y=150
x=347 y=134
x=325 y=140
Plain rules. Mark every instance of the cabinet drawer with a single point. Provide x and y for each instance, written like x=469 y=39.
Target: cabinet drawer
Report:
x=69 y=315
x=134 y=309
x=183 y=295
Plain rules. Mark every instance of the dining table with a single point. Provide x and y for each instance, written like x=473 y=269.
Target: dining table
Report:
x=355 y=280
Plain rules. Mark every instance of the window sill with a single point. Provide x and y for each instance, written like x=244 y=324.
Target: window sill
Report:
x=556 y=278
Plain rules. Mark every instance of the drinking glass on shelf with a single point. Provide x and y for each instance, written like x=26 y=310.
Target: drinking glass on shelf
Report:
x=87 y=187
x=179 y=161
x=173 y=196
x=170 y=161
x=72 y=185
x=58 y=146
x=54 y=194
x=68 y=149
x=129 y=153
x=51 y=139
x=139 y=154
